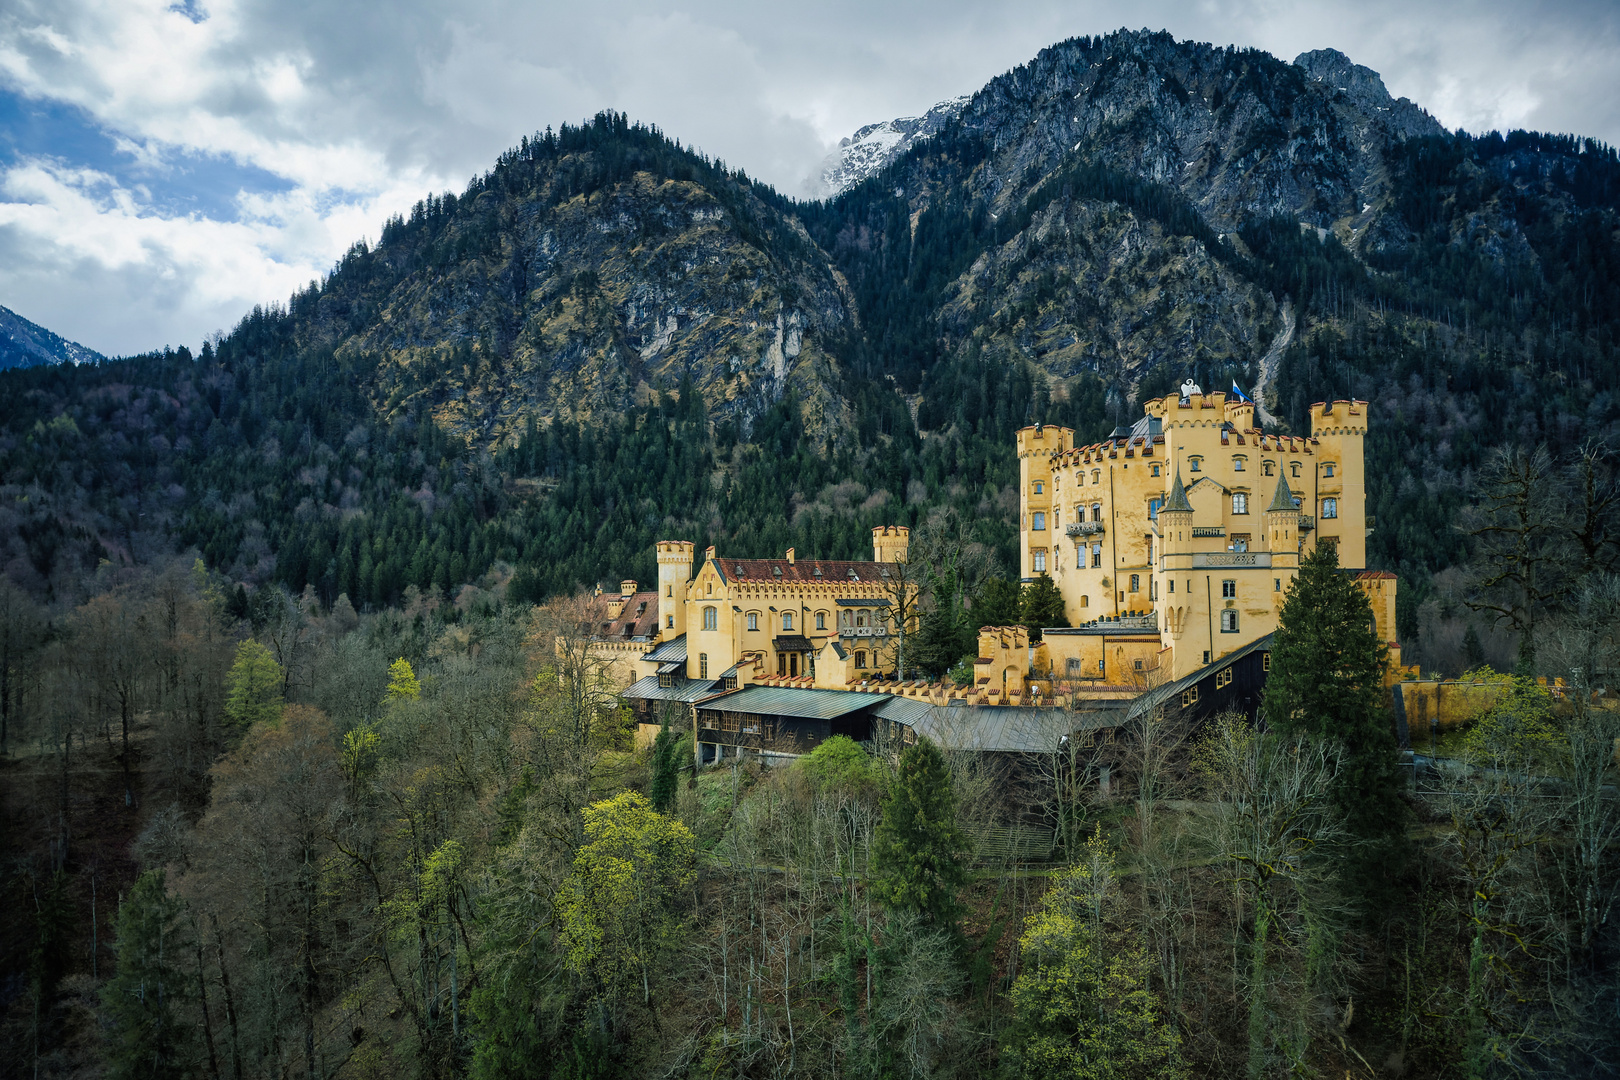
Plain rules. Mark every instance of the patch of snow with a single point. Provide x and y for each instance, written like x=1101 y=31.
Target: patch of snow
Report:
x=875 y=146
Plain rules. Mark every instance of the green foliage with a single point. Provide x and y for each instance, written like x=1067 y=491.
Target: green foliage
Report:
x=148 y=1039
x=1326 y=684
x=666 y=766
x=999 y=603
x=614 y=908
x=840 y=765
x=919 y=852
x=1042 y=605
x=1516 y=732
x=402 y=684
x=253 y=686
x=1083 y=1005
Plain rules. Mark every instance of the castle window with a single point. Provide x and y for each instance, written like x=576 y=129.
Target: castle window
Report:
x=1085 y=601
x=1268 y=467
x=1240 y=502
x=821 y=620
x=708 y=587
x=1240 y=541
x=1040 y=489
x=703 y=665
x=1153 y=507
x=1330 y=508
x=711 y=618
x=1172 y=583
x=1228 y=589
x=1223 y=678
x=860 y=618
x=1265 y=661
x=1327 y=468
x=860 y=658
x=1138 y=665
x=753 y=620
x=1096 y=511
x=1038 y=524
x=669 y=591
x=787 y=620
x=1039 y=558
x=1229 y=623
x=669 y=622
x=1276 y=584
x=1136 y=583
x=1238 y=464
x=1096 y=476
x=1293 y=467
x=1096 y=555
x=1155 y=470
x=1195 y=464
x=1190 y=697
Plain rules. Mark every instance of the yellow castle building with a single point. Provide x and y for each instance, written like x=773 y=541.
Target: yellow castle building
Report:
x=1174 y=542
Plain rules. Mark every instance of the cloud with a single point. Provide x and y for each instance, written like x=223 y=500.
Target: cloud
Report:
x=249 y=142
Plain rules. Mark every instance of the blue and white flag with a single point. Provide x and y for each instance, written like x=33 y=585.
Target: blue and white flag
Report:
x=1240 y=394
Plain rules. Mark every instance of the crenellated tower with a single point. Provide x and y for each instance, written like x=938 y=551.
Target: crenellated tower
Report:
x=1037 y=446
x=674 y=575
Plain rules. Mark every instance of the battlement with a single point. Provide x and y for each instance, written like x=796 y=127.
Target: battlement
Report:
x=1338 y=418
x=1045 y=439
x=675 y=551
x=890 y=543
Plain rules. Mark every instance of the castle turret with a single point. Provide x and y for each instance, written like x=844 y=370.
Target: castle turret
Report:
x=1175 y=521
x=1036 y=447
x=1282 y=532
x=1338 y=493
x=674 y=574
x=890 y=543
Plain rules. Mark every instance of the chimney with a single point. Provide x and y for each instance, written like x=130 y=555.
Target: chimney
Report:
x=627 y=587
x=790 y=556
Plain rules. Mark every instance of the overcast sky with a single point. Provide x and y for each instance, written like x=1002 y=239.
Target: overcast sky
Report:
x=165 y=166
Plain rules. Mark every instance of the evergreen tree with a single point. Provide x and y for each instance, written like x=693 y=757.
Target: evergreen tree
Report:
x=1041 y=605
x=253 y=686
x=944 y=637
x=998 y=604
x=147 y=1038
x=1326 y=684
x=1473 y=650
x=919 y=850
x=665 y=769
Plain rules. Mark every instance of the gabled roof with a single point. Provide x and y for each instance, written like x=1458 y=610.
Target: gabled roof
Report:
x=1178 y=498
x=1282 y=501
x=638 y=618
x=647 y=689
x=1160 y=694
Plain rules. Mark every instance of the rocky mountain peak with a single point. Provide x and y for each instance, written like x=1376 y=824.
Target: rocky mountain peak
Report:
x=1365 y=87
x=875 y=146
x=26 y=344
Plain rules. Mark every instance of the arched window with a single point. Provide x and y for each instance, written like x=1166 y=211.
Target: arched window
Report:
x=860 y=658
x=1268 y=467
x=1096 y=511
x=1195 y=464
x=1039 y=488
x=753 y=620
x=821 y=620
x=1239 y=463
x=1096 y=476
x=787 y=620
x=1330 y=508
x=1155 y=470
x=669 y=622
x=1229 y=621
x=860 y=618
x=1153 y=509
x=1136 y=583
x=711 y=618
x=1228 y=589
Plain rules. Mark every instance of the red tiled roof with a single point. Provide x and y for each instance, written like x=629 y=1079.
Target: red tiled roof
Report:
x=639 y=616
x=765 y=571
x=1374 y=575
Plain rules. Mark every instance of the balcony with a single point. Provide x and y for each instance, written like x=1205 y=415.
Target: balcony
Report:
x=1084 y=528
x=1307 y=522
x=863 y=631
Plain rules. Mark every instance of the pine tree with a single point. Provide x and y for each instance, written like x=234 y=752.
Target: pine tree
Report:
x=920 y=851
x=148 y=1039
x=665 y=769
x=998 y=604
x=1326 y=684
x=1042 y=606
x=253 y=686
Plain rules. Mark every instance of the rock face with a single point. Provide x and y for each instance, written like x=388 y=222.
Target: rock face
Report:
x=25 y=344
x=874 y=147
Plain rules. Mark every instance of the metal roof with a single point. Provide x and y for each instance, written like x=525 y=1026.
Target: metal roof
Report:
x=647 y=689
x=790 y=701
x=673 y=649
x=1157 y=696
x=871 y=601
x=1019 y=729
x=671 y=667
x=792 y=643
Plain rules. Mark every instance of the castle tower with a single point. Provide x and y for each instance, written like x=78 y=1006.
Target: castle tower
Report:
x=1175 y=521
x=674 y=574
x=1282 y=538
x=1338 y=493
x=890 y=543
x=1038 y=543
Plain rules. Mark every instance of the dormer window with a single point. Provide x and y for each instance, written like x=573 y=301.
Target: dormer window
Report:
x=853 y=576
x=740 y=572
x=777 y=570
x=817 y=570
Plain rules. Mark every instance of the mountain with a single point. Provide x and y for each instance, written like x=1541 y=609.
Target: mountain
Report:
x=607 y=338
x=871 y=149
x=24 y=344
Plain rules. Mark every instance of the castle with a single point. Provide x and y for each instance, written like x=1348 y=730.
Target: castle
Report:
x=1174 y=542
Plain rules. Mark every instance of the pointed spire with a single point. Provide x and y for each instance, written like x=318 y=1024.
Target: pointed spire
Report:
x=1283 y=500
x=1178 y=498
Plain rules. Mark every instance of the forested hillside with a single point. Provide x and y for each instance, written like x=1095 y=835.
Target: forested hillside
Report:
x=307 y=771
